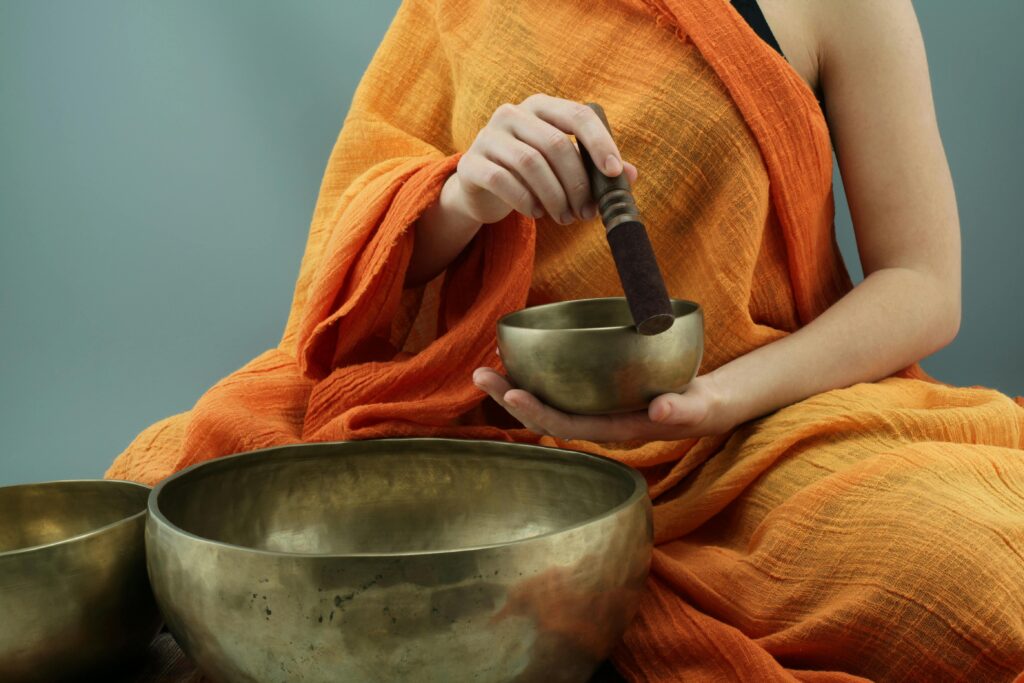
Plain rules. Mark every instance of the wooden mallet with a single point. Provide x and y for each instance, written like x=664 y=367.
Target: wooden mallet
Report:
x=638 y=269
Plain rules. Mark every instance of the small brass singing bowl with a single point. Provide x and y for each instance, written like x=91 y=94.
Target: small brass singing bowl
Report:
x=74 y=595
x=586 y=357
x=402 y=560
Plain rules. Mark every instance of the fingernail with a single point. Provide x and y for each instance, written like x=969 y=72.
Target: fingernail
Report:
x=538 y=213
x=589 y=211
x=567 y=217
x=612 y=165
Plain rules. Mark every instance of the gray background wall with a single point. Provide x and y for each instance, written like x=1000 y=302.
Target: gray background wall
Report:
x=158 y=168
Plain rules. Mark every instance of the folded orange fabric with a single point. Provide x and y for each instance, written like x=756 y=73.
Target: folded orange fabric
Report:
x=869 y=533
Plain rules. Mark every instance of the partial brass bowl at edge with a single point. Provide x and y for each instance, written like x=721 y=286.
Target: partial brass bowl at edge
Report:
x=402 y=560
x=586 y=357
x=74 y=595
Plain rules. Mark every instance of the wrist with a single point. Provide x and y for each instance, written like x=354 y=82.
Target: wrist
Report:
x=452 y=204
x=723 y=406
x=440 y=233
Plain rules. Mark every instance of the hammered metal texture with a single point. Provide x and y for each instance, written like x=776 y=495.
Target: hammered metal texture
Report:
x=419 y=560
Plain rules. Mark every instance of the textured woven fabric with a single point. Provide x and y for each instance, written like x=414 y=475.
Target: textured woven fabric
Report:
x=874 y=532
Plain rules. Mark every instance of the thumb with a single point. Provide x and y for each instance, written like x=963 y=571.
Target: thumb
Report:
x=677 y=409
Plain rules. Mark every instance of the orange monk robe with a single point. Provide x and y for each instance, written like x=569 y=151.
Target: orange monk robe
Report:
x=874 y=532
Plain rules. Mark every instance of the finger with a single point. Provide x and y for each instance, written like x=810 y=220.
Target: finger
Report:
x=621 y=427
x=492 y=383
x=496 y=387
x=544 y=419
x=531 y=410
x=579 y=120
x=561 y=155
x=534 y=415
x=532 y=166
x=497 y=180
x=677 y=409
x=631 y=173
x=590 y=208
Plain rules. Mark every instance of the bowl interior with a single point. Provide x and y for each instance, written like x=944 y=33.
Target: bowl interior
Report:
x=39 y=514
x=393 y=496
x=588 y=314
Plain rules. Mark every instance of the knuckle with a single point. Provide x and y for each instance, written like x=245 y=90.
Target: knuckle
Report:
x=536 y=99
x=492 y=177
x=557 y=141
x=581 y=113
x=468 y=172
x=527 y=157
x=485 y=134
x=505 y=111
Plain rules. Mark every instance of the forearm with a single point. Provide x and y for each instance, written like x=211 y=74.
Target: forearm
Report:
x=441 y=233
x=895 y=317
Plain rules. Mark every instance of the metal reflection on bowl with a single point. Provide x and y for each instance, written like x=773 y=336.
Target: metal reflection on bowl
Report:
x=74 y=595
x=586 y=357
x=419 y=560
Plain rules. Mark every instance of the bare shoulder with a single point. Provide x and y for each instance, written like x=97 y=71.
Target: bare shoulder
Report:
x=866 y=33
x=821 y=37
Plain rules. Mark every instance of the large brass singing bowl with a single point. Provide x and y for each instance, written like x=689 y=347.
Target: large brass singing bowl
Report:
x=585 y=356
x=391 y=560
x=74 y=596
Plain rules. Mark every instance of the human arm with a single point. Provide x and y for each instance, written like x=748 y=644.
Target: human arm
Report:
x=874 y=73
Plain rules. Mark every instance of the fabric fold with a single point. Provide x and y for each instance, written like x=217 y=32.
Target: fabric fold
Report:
x=412 y=393
x=357 y=288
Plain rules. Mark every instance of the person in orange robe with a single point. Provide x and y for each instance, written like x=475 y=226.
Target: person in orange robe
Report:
x=823 y=509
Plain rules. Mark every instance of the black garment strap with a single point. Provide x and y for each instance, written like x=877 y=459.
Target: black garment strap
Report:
x=751 y=11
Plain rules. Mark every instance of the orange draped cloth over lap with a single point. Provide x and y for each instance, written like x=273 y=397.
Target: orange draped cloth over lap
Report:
x=869 y=533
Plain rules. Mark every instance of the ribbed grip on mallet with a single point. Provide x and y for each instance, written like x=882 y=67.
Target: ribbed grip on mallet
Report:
x=631 y=248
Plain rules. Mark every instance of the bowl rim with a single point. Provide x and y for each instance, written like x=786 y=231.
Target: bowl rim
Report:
x=640 y=489
x=504 y=321
x=85 y=534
